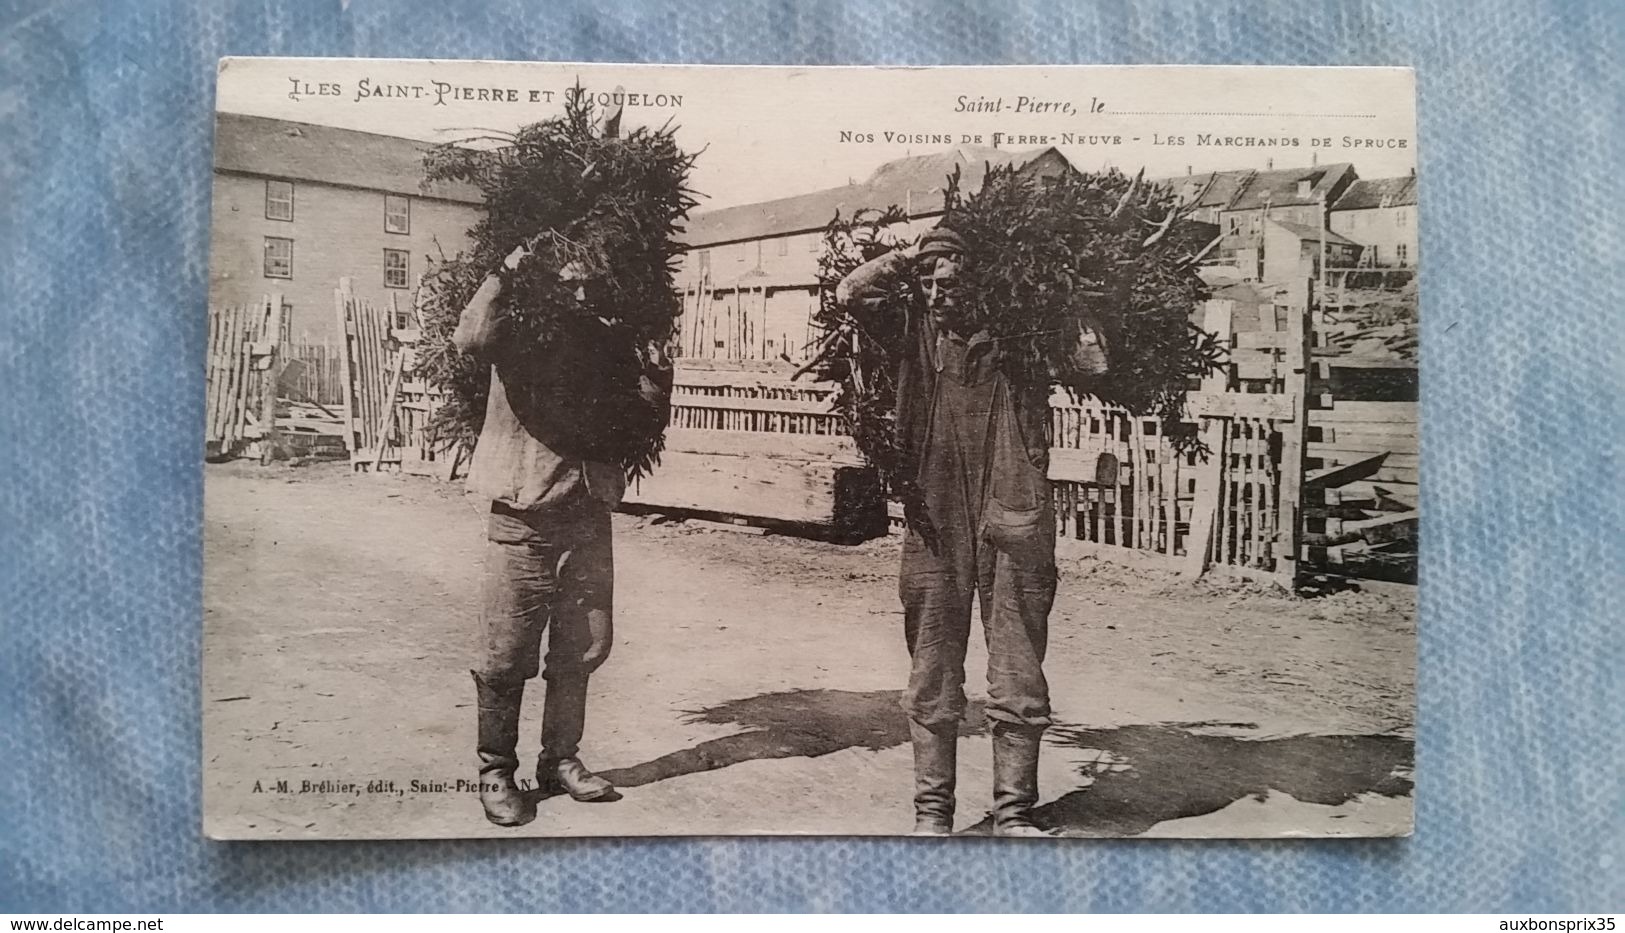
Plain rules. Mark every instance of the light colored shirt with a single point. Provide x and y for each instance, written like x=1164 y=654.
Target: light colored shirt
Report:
x=511 y=465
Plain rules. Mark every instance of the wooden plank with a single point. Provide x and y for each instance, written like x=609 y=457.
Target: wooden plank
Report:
x=1246 y=500
x=387 y=421
x=1218 y=320
x=1345 y=454
x=1204 y=509
x=1290 y=484
x=1222 y=509
x=1263 y=340
x=1328 y=477
x=1256 y=369
x=1371 y=443
x=211 y=377
x=1383 y=428
x=773 y=405
x=272 y=344
x=1395 y=527
x=346 y=369
x=1369 y=411
x=839 y=449
x=228 y=371
x=241 y=360
x=1279 y=407
x=1141 y=478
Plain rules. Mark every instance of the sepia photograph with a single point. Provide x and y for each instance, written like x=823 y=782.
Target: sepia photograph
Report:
x=655 y=450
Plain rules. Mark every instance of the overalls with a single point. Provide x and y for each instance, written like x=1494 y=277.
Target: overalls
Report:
x=994 y=520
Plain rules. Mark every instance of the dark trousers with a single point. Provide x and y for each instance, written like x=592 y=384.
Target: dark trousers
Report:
x=545 y=573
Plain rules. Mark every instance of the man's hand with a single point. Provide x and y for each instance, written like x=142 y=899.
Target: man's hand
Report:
x=601 y=638
x=868 y=276
x=514 y=258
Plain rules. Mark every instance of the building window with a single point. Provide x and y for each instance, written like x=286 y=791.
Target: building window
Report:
x=1403 y=251
x=813 y=241
x=1402 y=217
x=396 y=262
x=705 y=261
x=278 y=200
x=744 y=250
x=397 y=213
x=784 y=246
x=278 y=257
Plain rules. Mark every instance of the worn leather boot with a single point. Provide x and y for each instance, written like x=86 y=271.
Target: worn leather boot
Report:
x=564 y=719
x=935 y=767
x=498 y=736
x=1015 y=779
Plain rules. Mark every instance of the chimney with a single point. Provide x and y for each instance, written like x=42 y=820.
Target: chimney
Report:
x=1189 y=172
x=1314 y=158
x=1269 y=164
x=1303 y=187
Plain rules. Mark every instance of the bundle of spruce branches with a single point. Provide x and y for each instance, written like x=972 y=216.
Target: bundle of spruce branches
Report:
x=1045 y=260
x=592 y=303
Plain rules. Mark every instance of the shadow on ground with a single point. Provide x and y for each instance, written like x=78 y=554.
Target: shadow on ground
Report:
x=790 y=724
x=1142 y=775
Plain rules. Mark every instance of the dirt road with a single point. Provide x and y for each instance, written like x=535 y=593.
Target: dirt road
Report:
x=754 y=684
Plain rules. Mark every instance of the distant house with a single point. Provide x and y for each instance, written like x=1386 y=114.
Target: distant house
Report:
x=1203 y=196
x=299 y=206
x=749 y=276
x=1294 y=196
x=1380 y=214
x=1292 y=251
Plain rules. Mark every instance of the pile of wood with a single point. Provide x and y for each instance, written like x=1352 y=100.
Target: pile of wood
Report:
x=1362 y=490
x=759 y=447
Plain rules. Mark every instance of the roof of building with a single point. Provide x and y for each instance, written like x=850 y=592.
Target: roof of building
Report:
x=308 y=152
x=1279 y=187
x=914 y=183
x=1368 y=193
x=1307 y=232
x=1207 y=189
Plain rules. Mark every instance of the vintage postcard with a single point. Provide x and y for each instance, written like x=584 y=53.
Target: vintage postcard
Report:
x=623 y=450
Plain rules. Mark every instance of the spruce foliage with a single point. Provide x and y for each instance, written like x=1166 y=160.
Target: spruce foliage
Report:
x=593 y=304
x=1045 y=259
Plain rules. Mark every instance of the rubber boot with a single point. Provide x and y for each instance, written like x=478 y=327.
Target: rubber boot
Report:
x=498 y=736
x=564 y=719
x=935 y=767
x=1015 y=779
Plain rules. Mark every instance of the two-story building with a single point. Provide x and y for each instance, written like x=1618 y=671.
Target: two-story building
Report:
x=1294 y=196
x=749 y=276
x=1380 y=214
x=298 y=207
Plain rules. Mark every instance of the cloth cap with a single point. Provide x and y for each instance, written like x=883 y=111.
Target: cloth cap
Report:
x=941 y=241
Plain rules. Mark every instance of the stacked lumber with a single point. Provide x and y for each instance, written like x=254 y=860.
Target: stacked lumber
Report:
x=1363 y=463
x=754 y=445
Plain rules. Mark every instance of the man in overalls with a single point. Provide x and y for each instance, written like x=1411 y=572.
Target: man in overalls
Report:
x=976 y=449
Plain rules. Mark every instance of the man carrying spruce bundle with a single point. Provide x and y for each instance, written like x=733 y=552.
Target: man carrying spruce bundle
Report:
x=549 y=564
x=975 y=452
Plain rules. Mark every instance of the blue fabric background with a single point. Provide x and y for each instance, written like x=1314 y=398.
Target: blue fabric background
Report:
x=105 y=120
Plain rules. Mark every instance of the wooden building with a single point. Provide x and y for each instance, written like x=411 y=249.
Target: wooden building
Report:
x=749 y=278
x=1380 y=214
x=297 y=207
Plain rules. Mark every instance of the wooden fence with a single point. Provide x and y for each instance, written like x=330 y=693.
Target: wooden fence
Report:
x=1270 y=470
x=314 y=373
x=387 y=409
x=751 y=319
x=240 y=399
